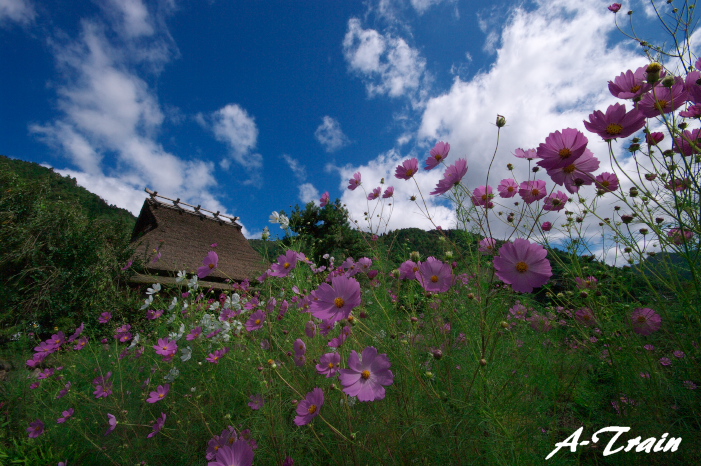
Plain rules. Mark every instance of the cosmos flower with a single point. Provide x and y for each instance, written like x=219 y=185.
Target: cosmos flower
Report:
x=663 y=99
x=408 y=269
x=354 y=182
x=532 y=191
x=528 y=154
x=451 y=177
x=194 y=333
x=523 y=265
x=256 y=321
x=208 y=265
x=366 y=376
x=577 y=174
x=159 y=394
x=257 y=402
x=105 y=317
x=507 y=188
x=561 y=149
x=36 y=428
x=487 y=246
x=323 y=202
x=158 y=425
x=555 y=202
x=437 y=155
x=615 y=7
x=654 y=138
x=310 y=407
x=689 y=143
x=285 y=264
x=546 y=226
x=407 y=169
x=112 y=421
x=645 y=321
x=389 y=192
x=679 y=236
x=630 y=84
x=435 y=276
x=374 y=194
x=607 y=182
x=66 y=416
x=482 y=196
x=329 y=364
x=585 y=316
x=239 y=453
x=166 y=347
x=615 y=123
x=336 y=301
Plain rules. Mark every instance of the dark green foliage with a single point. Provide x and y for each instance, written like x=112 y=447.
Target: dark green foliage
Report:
x=61 y=250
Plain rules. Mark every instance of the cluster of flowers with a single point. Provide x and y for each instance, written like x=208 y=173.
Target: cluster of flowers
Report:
x=56 y=343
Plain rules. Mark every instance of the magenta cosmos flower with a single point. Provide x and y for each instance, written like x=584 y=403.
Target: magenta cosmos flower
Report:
x=615 y=123
x=367 y=376
x=285 y=264
x=555 y=202
x=257 y=402
x=693 y=88
x=528 y=154
x=158 y=425
x=508 y=188
x=256 y=321
x=407 y=169
x=615 y=7
x=654 y=138
x=166 y=347
x=607 y=182
x=663 y=99
x=482 y=197
x=523 y=265
x=374 y=194
x=66 y=416
x=329 y=364
x=487 y=246
x=532 y=191
x=645 y=321
x=408 y=269
x=323 y=202
x=630 y=84
x=308 y=408
x=354 y=182
x=451 y=177
x=217 y=355
x=389 y=192
x=435 y=276
x=679 y=236
x=208 y=265
x=105 y=317
x=438 y=154
x=336 y=301
x=159 y=394
x=562 y=149
x=546 y=226
x=688 y=143
x=240 y=453
x=578 y=173
x=36 y=428
x=112 y=421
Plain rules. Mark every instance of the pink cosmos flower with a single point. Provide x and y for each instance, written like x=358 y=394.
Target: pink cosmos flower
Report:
x=105 y=317
x=407 y=169
x=435 y=276
x=257 y=402
x=523 y=265
x=663 y=99
x=555 y=202
x=577 y=174
x=152 y=314
x=482 y=197
x=240 y=453
x=693 y=111
x=606 y=182
x=508 y=187
x=325 y=198
x=615 y=7
x=630 y=84
x=654 y=138
x=77 y=333
x=688 y=143
x=367 y=375
x=36 y=428
x=300 y=347
x=256 y=321
x=586 y=283
x=309 y=408
x=562 y=149
x=341 y=338
x=374 y=194
x=159 y=394
x=408 y=269
x=217 y=355
x=665 y=361
x=112 y=421
x=679 y=236
x=194 y=333
x=66 y=416
x=528 y=154
x=158 y=425
x=438 y=154
x=389 y=192
x=285 y=264
x=487 y=246
x=208 y=265
x=451 y=177
x=310 y=329
x=645 y=321
x=354 y=182
x=616 y=123
x=336 y=301
x=532 y=191
x=329 y=364
x=166 y=347
x=585 y=316
x=518 y=311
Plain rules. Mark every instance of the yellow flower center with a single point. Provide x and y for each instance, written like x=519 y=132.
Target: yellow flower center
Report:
x=511 y=189
x=312 y=409
x=661 y=104
x=569 y=169
x=339 y=302
x=211 y=266
x=257 y=321
x=642 y=319
x=286 y=265
x=614 y=129
x=365 y=374
x=434 y=279
x=410 y=172
x=331 y=365
x=439 y=157
x=635 y=88
x=522 y=267
x=605 y=184
x=535 y=191
x=564 y=153
x=415 y=269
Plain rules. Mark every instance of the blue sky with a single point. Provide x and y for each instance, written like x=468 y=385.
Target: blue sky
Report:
x=253 y=106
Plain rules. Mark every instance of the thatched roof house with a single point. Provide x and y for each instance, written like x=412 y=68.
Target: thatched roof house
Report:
x=180 y=236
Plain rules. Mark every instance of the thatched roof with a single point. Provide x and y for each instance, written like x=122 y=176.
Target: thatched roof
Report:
x=183 y=236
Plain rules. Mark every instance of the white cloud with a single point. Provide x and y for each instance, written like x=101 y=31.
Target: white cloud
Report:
x=233 y=126
x=132 y=17
x=18 y=11
x=308 y=193
x=330 y=135
x=297 y=169
x=387 y=64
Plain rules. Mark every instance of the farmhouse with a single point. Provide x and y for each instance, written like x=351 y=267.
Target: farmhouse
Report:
x=171 y=236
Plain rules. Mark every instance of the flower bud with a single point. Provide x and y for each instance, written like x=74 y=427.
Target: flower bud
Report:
x=501 y=121
x=415 y=256
x=668 y=81
x=437 y=354
x=483 y=362
x=652 y=70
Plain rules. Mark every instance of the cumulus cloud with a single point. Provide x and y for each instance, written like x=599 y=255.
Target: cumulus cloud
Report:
x=17 y=11
x=233 y=126
x=386 y=64
x=330 y=135
x=297 y=168
x=308 y=193
x=131 y=16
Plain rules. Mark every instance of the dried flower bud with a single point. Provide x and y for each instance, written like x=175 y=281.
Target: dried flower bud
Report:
x=509 y=166
x=483 y=362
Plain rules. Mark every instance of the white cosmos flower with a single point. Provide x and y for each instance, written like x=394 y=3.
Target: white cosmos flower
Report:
x=275 y=217
x=187 y=353
x=182 y=275
x=155 y=288
x=147 y=302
